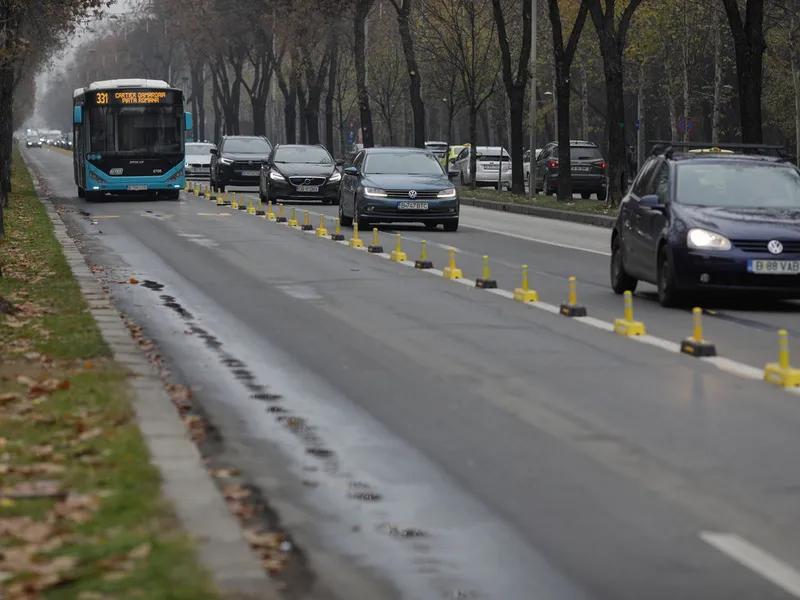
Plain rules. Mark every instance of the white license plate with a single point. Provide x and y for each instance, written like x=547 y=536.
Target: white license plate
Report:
x=412 y=206
x=251 y=173
x=580 y=168
x=774 y=267
x=136 y=188
x=307 y=188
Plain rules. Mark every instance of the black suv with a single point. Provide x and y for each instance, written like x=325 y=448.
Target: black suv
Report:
x=237 y=160
x=586 y=164
x=300 y=172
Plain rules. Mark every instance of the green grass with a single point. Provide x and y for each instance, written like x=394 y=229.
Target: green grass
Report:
x=65 y=417
x=592 y=207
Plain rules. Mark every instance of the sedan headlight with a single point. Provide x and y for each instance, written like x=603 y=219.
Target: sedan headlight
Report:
x=226 y=161
x=702 y=239
x=275 y=176
x=335 y=177
x=448 y=193
x=374 y=193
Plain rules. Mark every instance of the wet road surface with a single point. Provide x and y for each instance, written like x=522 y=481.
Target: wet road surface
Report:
x=432 y=440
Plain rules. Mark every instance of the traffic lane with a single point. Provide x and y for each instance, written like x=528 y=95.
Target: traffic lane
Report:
x=378 y=323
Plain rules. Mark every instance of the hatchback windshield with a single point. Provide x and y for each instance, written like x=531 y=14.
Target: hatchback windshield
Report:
x=402 y=163
x=248 y=146
x=313 y=155
x=197 y=149
x=738 y=185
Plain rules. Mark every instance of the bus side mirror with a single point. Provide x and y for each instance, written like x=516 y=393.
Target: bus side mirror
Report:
x=77 y=114
x=189 y=124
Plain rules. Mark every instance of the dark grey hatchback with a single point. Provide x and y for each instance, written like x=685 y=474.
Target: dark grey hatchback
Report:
x=398 y=185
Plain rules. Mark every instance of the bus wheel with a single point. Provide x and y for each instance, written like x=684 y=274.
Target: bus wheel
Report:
x=93 y=196
x=81 y=192
x=173 y=195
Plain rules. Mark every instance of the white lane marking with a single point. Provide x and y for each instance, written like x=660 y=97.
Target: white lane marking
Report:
x=541 y=241
x=658 y=342
x=736 y=368
x=301 y=292
x=769 y=567
x=594 y=322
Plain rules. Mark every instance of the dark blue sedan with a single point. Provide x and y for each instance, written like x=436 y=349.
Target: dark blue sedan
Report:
x=703 y=223
x=398 y=185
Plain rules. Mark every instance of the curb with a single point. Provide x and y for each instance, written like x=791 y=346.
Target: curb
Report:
x=197 y=501
x=539 y=211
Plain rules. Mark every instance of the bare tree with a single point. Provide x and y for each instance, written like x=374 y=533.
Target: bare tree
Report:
x=405 y=10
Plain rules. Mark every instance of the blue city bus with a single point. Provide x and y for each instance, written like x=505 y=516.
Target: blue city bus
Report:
x=128 y=138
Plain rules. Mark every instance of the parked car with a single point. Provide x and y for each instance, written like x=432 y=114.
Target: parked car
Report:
x=487 y=166
x=452 y=153
x=300 y=172
x=587 y=167
x=198 y=160
x=236 y=160
x=405 y=185
x=714 y=222
x=526 y=165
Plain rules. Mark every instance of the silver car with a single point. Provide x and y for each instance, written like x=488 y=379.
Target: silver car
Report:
x=487 y=166
x=198 y=160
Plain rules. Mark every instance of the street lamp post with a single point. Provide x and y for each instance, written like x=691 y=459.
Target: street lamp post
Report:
x=532 y=105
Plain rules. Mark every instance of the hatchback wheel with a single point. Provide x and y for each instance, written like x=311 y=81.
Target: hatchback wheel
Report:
x=343 y=220
x=668 y=294
x=621 y=281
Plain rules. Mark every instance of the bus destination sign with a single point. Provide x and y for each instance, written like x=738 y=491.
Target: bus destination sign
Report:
x=135 y=97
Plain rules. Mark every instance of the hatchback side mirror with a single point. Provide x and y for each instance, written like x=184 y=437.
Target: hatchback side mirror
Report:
x=214 y=151
x=652 y=201
x=452 y=173
x=351 y=171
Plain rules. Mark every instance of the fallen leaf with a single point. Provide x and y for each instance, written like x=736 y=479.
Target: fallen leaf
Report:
x=90 y=434
x=33 y=489
x=132 y=280
x=88 y=365
x=8 y=397
x=140 y=552
x=26 y=529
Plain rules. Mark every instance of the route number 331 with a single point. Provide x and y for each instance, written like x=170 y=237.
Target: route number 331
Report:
x=102 y=98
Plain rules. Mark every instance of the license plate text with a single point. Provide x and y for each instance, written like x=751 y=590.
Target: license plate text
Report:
x=774 y=267
x=412 y=206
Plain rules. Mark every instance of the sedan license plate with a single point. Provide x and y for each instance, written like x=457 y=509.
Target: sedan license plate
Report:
x=136 y=188
x=307 y=188
x=250 y=173
x=774 y=267
x=412 y=206
x=580 y=168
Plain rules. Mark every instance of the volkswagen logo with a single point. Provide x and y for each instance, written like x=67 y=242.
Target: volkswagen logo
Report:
x=412 y=194
x=775 y=247
x=307 y=181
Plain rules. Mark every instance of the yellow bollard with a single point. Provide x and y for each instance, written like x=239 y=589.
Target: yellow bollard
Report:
x=781 y=373
x=221 y=199
x=260 y=209
x=451 y=271
x=423 y=262
x=397 y=254
x=375 y=247
x=486 y=282
x=293 y=220
x=572 y=308
x=241 y=205
x=695 y=345
x=227 y=201
x=627 y=326
x=321 y=231
x=306 y=223
x=524 y=293
x=337 y=236
x=355 y=241
x=235 y=203
x=251 y=210
x=206 y=194
x=270 y=214
x=280 y=218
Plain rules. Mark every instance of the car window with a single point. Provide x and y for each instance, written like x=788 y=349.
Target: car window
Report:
x=661 y=183
x=254 y=145
x=302 y=154
x=359 y=160
x=196 y=149
x=402 y=163
x=641 y=186
x=738 y=184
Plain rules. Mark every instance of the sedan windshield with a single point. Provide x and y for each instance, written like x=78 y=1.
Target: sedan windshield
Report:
x=402 y=163
x=313 y=155
x=248 y=146
x=738 y=185
x=198 y=149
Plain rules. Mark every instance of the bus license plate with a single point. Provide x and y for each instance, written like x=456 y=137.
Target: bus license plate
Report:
x=250 y=173
x=136 y=188
x=307 y=188
x=774 y=267
x=412 y=206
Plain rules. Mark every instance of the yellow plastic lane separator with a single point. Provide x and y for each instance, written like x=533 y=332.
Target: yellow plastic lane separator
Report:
x=234 y=203
x=280 y=218
x=626 y=325
x=251 y=210
x=571 y=308
x=486 y=282
x=397 y=254
x=321 y=231
x=451 y=271
x=220 y=199
x=524 y=293
x=293 y=220
x=423 y=262
x=781 y=373
x=270 y=214
x=207 y=194
x=337 y=235
x=260 y=209
x=375 y=247
x=355 y=241
x=227 y=200
x=241 y=205
x=695 y=345
x=307 y=226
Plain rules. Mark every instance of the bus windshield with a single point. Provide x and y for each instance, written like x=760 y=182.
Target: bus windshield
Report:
x=136 y=129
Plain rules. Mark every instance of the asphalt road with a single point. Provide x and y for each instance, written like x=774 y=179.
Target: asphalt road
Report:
x=542 y=458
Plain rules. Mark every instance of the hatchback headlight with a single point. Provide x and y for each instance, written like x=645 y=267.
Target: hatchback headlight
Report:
x=702 y=239
x=448 y=193
x=374 y=193
x=335 y=177
x=226 y=161
x=275 y=176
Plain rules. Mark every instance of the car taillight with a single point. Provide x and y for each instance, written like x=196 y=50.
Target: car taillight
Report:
x=600 y=163
x=553 y=163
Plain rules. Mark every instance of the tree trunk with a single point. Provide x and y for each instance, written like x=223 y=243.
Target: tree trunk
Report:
x=301 y=105
x=473 y=142
x=6 y=139
x=687 y=108
x=584 y=103
x=615 y=102
x=564 y=158
x=329 y=97
x=415 y=79
x=717 y=82
x=516 y=105
x=359 y=50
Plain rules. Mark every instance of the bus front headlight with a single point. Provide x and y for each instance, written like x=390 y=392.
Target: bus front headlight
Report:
x=178 y=174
